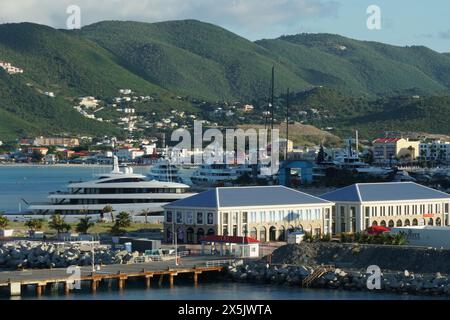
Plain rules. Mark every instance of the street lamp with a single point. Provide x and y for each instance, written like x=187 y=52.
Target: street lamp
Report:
x=174 y=240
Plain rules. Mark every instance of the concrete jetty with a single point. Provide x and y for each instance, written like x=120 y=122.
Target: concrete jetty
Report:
x=43 y=278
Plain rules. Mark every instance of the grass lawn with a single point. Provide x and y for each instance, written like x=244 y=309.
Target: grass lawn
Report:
x=96 y=229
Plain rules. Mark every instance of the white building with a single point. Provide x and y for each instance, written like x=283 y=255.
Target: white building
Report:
x=391 y=204
x=127 y=154
x=434 y=151
x=264 y=213
x=89 y=102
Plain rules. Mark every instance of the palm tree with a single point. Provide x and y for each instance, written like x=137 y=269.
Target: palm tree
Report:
x=145 y=213
x=109 y=209
x=123 y=221
x=84 y=225
x=34 y=224
x=4 y=222
x=59 y=224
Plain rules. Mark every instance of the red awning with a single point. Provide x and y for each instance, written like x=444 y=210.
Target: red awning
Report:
x=229 y=239
x=377 y=229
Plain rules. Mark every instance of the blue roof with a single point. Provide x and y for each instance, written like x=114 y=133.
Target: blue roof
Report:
x=247 y=197
x=389 y=191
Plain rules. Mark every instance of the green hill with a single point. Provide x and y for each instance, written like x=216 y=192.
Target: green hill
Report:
x=202 y=61
x=371 y=117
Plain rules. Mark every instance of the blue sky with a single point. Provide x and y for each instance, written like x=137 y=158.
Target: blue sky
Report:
x=416 y=22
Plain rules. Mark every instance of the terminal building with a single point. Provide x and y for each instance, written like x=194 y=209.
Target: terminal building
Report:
x=391 y=204
x=264 y=213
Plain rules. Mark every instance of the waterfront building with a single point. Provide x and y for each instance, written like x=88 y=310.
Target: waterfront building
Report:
x=265 y=213
x=54 y=141
x=435 y=151
x=390 y=204
x=387 y=149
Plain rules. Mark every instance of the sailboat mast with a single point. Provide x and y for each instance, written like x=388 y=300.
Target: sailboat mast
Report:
x=287 y=122
x=272 y=98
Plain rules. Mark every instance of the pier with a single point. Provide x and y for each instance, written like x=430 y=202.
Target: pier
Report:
x=161 y=271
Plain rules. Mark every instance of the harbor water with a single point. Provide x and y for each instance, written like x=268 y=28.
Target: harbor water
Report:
x=215 y=291
x=25 y=184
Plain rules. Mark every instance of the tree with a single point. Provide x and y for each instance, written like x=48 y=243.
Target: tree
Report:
x=123 y=221
x=145 y=213
x=4 y=222
x=34 y=224
x=321 y=155
x=84 y=225
x=36 y=156
x=59 y=224
x=108 y=209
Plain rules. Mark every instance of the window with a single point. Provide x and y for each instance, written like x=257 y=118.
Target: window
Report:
x=169 y=216
x=210 y=218
x=235 y=217
x=374 y=211
x=190 y=218
x=225 y=218
x=199 y=217
x=367 y=210
x=179 y=217
x=244 y=217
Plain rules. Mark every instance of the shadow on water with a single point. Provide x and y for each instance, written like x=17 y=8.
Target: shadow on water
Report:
x=209 y=288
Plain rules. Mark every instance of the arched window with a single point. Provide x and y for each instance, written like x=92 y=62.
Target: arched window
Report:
x=262 y=234
x=273 y=234
x=438 y=222
x=190 y=235
x=415 y=222
x=407 y=223
x=200 y=234
x=374 y=224
x=254 y=233
x=391 y=224
x=430 y=222
x=383 y=223
x=282 y=234
x=399 y=223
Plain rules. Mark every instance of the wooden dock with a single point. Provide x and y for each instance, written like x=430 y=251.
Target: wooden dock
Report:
x=43 y=278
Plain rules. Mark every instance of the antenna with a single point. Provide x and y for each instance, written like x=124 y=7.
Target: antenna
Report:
x=272 y=97
x=287 y=122
x=357 y=143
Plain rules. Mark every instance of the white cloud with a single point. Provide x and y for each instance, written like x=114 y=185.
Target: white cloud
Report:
x=247 y=17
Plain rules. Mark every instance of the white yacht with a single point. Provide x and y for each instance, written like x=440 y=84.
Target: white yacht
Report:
x=165 y=171
x=122 y=190
x=211 y=175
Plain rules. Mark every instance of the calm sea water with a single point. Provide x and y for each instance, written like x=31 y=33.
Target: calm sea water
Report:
x=215 y=291
x=33 y=183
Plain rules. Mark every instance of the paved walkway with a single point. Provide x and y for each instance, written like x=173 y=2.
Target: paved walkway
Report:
x=187 y=264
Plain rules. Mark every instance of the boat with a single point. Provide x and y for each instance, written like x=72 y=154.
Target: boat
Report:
x=123 y=190
x=212 y=175
x=165 y=171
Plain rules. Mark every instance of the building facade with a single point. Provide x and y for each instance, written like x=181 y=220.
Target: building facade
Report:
x=387 y=149
x=55 y=141
x=392 y=204
x=435 y=151
x=262 y=213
